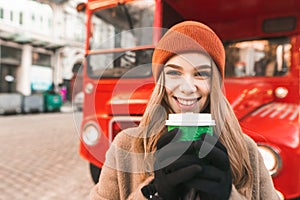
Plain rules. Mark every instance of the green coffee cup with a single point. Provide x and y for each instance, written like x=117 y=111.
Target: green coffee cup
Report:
x=192 y=125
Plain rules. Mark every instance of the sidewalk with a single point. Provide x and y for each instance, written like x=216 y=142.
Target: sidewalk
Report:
x=67 y=107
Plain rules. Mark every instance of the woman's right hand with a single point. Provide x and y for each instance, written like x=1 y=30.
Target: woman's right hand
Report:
x=173 y=167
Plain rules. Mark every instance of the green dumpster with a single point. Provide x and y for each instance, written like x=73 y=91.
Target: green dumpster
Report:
x=53 y=101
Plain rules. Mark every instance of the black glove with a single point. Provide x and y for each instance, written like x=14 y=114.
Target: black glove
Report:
x=172 y=168
x=214 y=181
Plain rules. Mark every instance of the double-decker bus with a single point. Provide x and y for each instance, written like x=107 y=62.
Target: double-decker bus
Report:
x=262 y=44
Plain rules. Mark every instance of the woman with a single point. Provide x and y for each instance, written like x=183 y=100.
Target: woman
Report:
x=148 y=162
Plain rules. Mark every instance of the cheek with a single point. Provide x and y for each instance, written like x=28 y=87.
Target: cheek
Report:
x=168 y=91
x=171 y=84
x=204 y=87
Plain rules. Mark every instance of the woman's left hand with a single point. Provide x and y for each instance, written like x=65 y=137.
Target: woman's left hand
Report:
x=214 y=182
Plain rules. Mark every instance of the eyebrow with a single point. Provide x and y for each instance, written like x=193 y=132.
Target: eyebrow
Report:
x=197 y=67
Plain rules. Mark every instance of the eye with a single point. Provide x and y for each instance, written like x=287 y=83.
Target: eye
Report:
x=203 y=74
x=173 y=73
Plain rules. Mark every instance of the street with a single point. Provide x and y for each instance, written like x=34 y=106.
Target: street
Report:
x=40 y=159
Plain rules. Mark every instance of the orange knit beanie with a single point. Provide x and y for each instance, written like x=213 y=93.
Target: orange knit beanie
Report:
x=188 y=36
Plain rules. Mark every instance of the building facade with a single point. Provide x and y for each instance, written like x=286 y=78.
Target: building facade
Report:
x=40 y=42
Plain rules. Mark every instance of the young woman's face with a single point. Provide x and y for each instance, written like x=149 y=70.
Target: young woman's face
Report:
x=188 y=82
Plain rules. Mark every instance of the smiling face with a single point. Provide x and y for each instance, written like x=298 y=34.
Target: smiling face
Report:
x=188 y=82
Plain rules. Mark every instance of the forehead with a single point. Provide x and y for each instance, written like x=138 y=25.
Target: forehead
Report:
x=190 y=58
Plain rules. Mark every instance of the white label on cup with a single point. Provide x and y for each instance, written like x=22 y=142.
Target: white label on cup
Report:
x=190 y=119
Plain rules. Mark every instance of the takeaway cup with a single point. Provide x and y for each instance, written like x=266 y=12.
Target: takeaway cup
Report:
x=192 y=125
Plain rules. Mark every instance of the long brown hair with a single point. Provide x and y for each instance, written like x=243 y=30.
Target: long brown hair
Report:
x=227 y=125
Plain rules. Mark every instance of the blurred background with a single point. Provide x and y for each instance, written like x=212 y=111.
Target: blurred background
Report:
x=41 y=48
x=41 y=51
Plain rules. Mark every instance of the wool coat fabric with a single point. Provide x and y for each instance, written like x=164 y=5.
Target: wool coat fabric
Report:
x=121 y=177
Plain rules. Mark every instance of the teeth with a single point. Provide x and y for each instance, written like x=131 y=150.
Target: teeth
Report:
x=185 y=102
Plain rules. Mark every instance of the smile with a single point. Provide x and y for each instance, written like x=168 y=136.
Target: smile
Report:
x=186 y=102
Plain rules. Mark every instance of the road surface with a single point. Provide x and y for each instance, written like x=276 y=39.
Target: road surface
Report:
x=40 y=160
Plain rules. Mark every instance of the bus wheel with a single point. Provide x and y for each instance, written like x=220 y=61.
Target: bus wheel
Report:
x=95 y=172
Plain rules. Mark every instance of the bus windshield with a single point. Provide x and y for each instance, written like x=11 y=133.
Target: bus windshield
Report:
x=267 y=58
x=119 y=27
x=115 y=37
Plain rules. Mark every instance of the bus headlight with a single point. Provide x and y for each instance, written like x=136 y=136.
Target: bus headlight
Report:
x=88 y=88
x=90 y=134
x=271 y=158
x=281 y=92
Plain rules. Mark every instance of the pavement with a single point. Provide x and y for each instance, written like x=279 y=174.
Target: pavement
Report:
x=40 y=159
x=68 y=107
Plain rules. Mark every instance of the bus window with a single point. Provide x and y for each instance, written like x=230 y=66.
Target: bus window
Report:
x=125 y=64
x=122 y=21
x=267 y=58
x=115 y=35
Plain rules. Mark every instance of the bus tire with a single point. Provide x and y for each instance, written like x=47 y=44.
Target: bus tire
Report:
x=95 y=172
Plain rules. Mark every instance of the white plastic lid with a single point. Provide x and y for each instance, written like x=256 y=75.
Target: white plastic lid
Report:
x=190 y=119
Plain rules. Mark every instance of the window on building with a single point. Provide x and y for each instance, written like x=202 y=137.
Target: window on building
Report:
x=33 y=17
x=11 y=16
x=1 y=13
x=41 y=59
x=10 y=59
x=8 y=78
x=10 y=55
x=41 y=72
x=20 y=18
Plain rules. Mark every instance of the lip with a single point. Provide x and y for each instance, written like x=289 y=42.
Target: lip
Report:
x=186 y=102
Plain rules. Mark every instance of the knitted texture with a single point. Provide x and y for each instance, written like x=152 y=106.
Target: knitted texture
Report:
x=188 y=36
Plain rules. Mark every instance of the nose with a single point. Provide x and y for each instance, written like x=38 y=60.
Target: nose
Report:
x=187 y=85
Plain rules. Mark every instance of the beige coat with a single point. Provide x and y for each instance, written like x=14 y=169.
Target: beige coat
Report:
x=120 y=177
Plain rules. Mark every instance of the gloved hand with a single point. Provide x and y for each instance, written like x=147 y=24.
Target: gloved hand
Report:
x=214 y=181
x=172 y=167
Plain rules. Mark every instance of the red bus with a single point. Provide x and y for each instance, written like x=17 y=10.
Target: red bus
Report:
x=262 y=42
